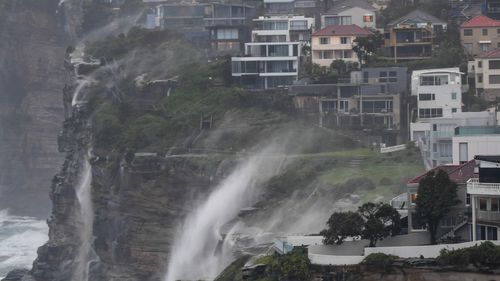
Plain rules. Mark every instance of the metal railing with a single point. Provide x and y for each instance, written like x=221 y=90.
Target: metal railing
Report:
x=474 y=186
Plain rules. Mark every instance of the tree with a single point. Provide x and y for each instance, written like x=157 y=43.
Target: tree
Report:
x=366 y=47
x=341 y=226
x=380 y=221
x=294 y=266
x=436 y=195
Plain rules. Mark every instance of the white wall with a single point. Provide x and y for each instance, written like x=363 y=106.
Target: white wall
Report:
x=476 y=145
x=334 y=260
x=431 y=251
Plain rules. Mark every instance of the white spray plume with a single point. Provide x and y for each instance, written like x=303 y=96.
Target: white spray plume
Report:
x=193 y=254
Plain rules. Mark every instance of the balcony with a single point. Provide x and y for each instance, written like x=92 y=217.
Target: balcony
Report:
x=475 y=187
x=487 y=215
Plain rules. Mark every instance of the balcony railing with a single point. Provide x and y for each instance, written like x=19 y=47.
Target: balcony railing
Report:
x=488 y=215
x=474 y=186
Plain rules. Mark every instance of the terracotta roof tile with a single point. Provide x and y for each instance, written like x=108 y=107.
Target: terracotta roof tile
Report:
x=457 y=173
x=481 y=21
x=495 y=53
x=334 y=30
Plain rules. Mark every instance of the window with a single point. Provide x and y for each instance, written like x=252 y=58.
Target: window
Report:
x=494 y=64
x=275 y=25
x=483 y=204
x=484 y=47
x=278 y=50
x=498 y=31
x=453 y=110
x=434 y=147
x=324 y=40
x=467 y=199
x=368 y=18
x=453 y=96
x=463 y=152
x=382 y=88
x=227 y=33
x=347 y=54
x=479 y=78
x=433 y=80
x=494 y=205
x=445 y=149
x=424 y=97
x=494 y=79
x=430 y=112
x=485 y=32
x=467 y=32
x=344 y=40
x=468 y=46
x=298 y=25
x=413 y=198
x=479 y=64
x=434 y=127
x=337 y=20
x=326 y=54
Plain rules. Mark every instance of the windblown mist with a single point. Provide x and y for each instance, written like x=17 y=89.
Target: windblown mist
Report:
x=194 y=255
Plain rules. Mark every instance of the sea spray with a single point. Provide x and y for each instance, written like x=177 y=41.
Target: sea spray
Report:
x=193 y=254
x=86 y=213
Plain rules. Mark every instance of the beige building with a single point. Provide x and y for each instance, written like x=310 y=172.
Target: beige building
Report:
x=485 y=69
x=480 y=34
x=335 y=42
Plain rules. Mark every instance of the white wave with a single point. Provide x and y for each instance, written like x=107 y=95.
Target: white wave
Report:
x=20 y=238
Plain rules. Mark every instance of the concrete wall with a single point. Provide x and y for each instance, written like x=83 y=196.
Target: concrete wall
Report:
x=476 y=145
x=334 y=260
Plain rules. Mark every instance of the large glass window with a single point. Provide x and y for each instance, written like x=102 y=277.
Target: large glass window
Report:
x=434 y=80
x=430 y=112
x=445 y=149
x=494 y=79
x=278 y=50
x=337 y=20
x=345 y=40
x=326 y=54
x=483 y=204
x=227 y=33
x=298 y=25
x=275 y=25
x=494 y=205
x=494 y=64
x=424 y=97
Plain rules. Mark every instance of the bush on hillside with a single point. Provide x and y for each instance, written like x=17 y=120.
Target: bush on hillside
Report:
x=483 y=255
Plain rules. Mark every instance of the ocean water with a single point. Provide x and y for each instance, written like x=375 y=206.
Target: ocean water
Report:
x=20 y=238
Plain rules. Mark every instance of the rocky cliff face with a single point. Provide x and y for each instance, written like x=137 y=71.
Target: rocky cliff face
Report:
x=32 y=46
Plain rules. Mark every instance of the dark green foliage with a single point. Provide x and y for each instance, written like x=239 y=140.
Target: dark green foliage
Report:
x=341 y=226
x=380 y=261
x=436 y=195
x=294 y=266
x=233 y=271
x=483 y=255
x=366 y=47
x=380 y=220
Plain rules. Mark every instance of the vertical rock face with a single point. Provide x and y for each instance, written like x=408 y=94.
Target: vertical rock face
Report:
x=32 y=47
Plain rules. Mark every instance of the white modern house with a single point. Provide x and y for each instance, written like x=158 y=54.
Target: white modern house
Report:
x=347 y=12
x=435 y=136
x=272 y=58
x=439 y=92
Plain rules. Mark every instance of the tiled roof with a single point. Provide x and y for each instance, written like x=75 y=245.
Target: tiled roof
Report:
x=495 y=53
x=339 y=30
x=481 y=21
x=457 y=173
x=340 y=6
x=417 y=16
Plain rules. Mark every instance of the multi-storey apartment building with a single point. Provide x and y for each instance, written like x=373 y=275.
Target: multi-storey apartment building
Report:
x=222 y=27
x=370 y=98
x=486 y=72
x=412 y=36
x=272 y=58
x=480 y=34
x=335 y=42
x=491 y=8
x=347 y=12
x=292 y=7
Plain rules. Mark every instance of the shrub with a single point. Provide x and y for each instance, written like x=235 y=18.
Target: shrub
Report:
x=486 y=254
x=380 y=261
